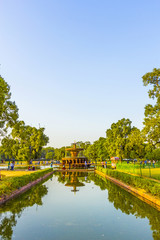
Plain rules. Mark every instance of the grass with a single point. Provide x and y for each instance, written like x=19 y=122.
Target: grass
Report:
x=15 y=173
x=148 y=184
x=146 y=172
x=17 y=179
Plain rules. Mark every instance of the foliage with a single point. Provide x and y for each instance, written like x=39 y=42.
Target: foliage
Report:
x=25 y=142
x=59 y=153
x=83 y=145
x=10 y=184
x=47 y=153
x=152 y=112
x=8 y=109
x=117 y=138
x=17 y=206
x=135 y=147
x=91 y=152
x=96 y=151
x=148 y=185
x=129 y=204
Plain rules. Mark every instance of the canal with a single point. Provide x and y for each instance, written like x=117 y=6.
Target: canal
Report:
x=78 y=206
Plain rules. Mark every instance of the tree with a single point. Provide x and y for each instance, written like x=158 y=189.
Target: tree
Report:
x=152 y=112
x=8 y=109
x=47 y=153
x=9 y=147
x=59 y=153
x=101 y=149
x=83 y=145
x=26 y=142
x=91 y=152
x=135 y=147
x=117 y=138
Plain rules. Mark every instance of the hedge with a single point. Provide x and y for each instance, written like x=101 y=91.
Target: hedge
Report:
x=148 y=185
x=9 y=184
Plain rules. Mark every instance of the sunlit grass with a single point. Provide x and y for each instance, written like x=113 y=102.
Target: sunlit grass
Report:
x=147 y=172
x=14 y=173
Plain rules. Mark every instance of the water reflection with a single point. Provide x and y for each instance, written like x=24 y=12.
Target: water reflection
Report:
x=120 y=199
x=129 y=204
x=11 y=211
x=72 y=179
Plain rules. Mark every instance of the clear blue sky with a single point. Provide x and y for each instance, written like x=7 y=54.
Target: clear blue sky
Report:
x=75 y=66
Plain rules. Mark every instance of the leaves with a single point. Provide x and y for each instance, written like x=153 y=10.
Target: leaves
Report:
x=152 y=112
x=25 y=142
x=8 y=109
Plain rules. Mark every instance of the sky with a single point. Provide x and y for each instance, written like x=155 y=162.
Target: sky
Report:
x=76 y=66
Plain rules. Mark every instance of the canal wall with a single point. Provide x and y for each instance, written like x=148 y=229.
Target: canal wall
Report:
x=24 y=188
x=151 y=200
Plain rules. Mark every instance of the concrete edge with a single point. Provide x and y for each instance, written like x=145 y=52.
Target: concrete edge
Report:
x=23 y=189
x=75 y=170
x=151 y=200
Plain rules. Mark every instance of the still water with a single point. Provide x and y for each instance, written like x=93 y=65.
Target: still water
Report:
x=78 y=206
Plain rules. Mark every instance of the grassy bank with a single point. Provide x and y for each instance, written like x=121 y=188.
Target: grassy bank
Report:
x=6 y=173
x=141 y=169
x=11 y=183
x=138 y=182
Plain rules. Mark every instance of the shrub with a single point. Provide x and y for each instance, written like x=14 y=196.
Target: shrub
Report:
x=148 y=185
x=10 y=184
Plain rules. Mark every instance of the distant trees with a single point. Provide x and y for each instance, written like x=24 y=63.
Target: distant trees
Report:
x=59 y=153
x=122 y=140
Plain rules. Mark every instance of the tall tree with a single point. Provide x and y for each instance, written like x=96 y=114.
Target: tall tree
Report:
x=117 y=138
x=101 y=150
x=8 y=109
x=152 y=112
x=135 y=147
x=91 y=152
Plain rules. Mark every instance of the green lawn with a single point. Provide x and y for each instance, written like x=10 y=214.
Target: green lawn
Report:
x=146 y=172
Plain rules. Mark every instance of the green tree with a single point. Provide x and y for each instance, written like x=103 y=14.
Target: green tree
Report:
x=59 y=153
x=9 y=147
x=101 y=150
x=47 y=153
x=26 y=142
x=91 y=152
x=83 y=145
x=117 y=138
x=135 y=147
x=50 y=155
x=8 y=109
x=152 y=112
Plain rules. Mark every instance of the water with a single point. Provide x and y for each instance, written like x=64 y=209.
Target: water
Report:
x=67 y=207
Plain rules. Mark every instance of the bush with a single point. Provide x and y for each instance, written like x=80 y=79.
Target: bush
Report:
x=148 y=185
x=10 y=184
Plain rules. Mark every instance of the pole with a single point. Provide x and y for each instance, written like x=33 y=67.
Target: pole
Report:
x=140 y=170
x=149 y=170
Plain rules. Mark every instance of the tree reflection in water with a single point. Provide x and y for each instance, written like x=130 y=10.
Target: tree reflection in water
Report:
x=129 y=204
x=11 y=211
x=122 y=200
